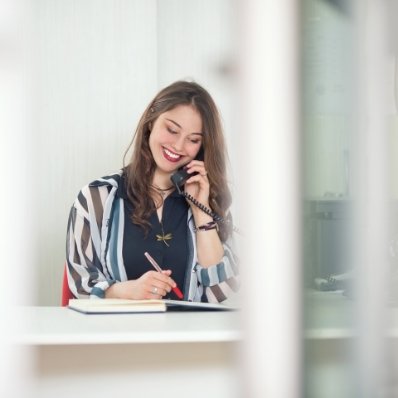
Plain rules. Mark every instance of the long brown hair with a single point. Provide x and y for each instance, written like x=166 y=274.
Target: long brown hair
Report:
x=142 y=166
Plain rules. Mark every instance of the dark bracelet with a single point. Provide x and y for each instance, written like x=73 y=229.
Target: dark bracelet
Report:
x=207 y=227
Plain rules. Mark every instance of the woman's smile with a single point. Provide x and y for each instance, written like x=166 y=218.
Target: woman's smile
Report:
x=171 y=156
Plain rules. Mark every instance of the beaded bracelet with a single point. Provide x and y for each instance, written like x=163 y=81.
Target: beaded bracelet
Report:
x=207 y=227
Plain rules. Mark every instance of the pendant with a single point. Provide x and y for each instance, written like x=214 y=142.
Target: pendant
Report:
x=164 y=237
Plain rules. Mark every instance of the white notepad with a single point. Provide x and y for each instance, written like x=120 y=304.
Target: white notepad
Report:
x=121 y=306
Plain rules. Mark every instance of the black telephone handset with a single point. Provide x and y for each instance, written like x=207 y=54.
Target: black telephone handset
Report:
x=180 y=177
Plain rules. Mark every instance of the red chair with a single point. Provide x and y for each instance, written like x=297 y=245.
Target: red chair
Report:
x=66 y=294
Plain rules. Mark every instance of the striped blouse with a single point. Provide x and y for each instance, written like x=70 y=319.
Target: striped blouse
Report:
x=95 y=253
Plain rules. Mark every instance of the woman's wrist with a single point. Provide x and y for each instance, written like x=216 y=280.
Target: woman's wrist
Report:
x=112 y=291
x=206 y=227
x=200 y=216
x=120 y=290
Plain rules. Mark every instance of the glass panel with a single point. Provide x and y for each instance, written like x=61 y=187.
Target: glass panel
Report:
x=350 y=130
x=327 y=60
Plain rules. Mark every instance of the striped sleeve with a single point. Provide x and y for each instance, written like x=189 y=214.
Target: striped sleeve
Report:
x=86 y=274
x=220 y=281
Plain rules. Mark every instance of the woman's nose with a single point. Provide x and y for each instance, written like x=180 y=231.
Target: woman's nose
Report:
x=178 y=144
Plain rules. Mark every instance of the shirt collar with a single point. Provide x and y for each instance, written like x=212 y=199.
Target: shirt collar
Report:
x=122 y=189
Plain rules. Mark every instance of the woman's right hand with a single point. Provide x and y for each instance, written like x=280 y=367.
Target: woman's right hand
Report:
x=151 y=285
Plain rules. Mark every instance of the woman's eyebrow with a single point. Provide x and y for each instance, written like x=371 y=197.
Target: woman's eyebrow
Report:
x=174 y=122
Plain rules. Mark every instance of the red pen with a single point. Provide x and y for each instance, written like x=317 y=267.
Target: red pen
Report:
x=176 y=290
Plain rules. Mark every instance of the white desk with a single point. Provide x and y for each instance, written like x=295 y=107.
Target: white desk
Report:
x=173 y=354
x=178 y=354
x=61 y=326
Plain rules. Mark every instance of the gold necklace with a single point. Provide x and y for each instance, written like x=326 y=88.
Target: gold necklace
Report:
x=163 y=191
x=164 y=237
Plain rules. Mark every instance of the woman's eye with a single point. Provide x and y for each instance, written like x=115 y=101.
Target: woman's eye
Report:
x=171 y=131
x=195 y=141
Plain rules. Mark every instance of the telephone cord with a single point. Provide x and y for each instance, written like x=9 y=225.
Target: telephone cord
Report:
x=217 y=218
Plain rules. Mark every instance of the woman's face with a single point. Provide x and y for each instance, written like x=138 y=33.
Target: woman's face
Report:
x=176 y=138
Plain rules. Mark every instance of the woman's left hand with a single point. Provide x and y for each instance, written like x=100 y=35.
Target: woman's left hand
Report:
x=198 y=185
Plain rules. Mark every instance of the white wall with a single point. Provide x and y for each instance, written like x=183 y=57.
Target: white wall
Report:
x=197 y=40
x=97 y=65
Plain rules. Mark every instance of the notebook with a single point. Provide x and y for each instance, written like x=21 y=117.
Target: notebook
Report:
x=121 y=306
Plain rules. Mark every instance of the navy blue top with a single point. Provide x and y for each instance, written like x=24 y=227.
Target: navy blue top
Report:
x=136 y=243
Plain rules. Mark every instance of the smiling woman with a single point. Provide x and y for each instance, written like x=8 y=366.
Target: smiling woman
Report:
x=117 y=218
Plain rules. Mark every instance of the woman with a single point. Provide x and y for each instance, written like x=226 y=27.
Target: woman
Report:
x=116 y=219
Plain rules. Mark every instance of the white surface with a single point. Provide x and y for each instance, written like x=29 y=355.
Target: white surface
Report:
x=329 y=316
x=144 y=355
x=193 y=370
x=164 y=354
x=61 y=326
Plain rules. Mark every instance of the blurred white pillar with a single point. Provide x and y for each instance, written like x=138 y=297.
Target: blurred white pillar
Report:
x=15 y=198
x=270 y=169
x=370 y=196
